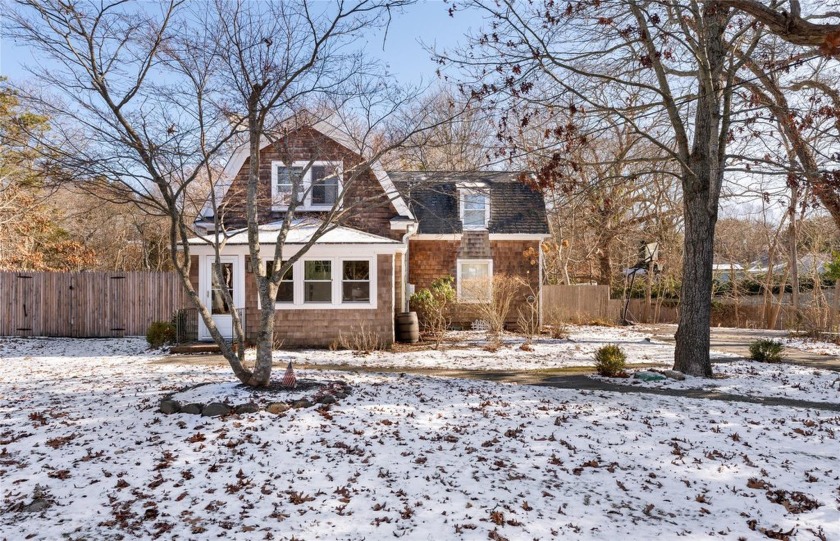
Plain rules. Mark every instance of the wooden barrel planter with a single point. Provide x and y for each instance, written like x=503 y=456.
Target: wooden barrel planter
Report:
x=408 y=328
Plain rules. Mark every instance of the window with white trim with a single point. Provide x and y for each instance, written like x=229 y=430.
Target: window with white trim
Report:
x=317 y=281
x=324 y=185
x=475 y=280
x=355 y=281
x=475 y=209
x=318 y=184
x=329 y=283
x=284 y=180
x=286 y=287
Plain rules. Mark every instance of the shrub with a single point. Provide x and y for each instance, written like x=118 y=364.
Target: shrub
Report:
x=432 y=307
x=500 y=292
x=160 y=333
x=361 y=340
x=609 y=360
x=766 y=351
x=556 y=324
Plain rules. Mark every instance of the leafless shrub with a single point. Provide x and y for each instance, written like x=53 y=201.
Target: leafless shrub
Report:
x=361 y=340
x=493 y=299
x=555 y=324
x=528 y=318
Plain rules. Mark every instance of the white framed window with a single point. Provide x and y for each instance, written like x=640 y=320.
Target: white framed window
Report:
x=474 y=281
x=318 y=184
x=324 y=186
x=475 y=208
x=286 y=287
x=329 y=283
x=284 y=179
x=355 y=281
x=317 y=281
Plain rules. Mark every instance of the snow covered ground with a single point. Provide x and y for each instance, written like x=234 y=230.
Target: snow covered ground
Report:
x=812 y=346
x=405 y=457
x=471 y=351
x=759 y=379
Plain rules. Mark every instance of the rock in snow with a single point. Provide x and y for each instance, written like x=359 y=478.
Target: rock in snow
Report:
x=215 y=409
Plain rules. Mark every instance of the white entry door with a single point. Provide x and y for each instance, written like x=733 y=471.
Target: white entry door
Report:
x=215 y=283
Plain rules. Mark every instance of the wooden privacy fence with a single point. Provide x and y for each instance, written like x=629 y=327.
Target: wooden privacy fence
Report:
x=586 y=303
x=578 y=304
x=87 y=304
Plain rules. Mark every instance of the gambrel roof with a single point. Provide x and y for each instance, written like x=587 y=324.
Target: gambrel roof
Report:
x=237 y=160
x=515 y=208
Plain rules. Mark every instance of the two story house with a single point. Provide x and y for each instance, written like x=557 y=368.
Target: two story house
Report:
x=396 y=231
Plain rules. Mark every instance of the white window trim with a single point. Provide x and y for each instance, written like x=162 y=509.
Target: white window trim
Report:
x=306 y=183
x=337 y=281
x=458 y=263
x=294 y=292
x=486 y=193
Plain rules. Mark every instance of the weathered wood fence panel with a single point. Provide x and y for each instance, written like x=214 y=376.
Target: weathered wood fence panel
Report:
x=578 y=303
x=585 y=303
x=86 y=304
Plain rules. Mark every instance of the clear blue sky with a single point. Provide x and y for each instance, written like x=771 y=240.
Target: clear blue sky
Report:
x=426 y=22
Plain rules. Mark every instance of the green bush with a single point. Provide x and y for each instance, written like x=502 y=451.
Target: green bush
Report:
x=432 y=307
x=160 y=333
x=609 y=360
x=766 y=351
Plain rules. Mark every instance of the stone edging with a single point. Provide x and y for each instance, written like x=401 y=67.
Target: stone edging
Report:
x=328 y=394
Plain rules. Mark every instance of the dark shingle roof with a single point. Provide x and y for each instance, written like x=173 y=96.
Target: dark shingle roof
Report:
x=433 y=197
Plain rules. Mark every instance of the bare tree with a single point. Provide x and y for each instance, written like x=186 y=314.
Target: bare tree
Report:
x=165 y=94
x=461 y=140
x=637 y=61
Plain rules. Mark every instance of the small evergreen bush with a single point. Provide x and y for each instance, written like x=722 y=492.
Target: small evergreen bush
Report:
x=766 y=351
x=160 y=333
x=432 y=306
x=609 y=360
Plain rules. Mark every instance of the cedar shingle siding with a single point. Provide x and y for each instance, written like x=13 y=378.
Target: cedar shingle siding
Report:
x=433 y=259
x=375 y=210
x=433 y=197
x=323 y=328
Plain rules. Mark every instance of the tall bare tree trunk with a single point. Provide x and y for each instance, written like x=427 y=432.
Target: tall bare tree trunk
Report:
x=693 y=337
x=701 y=182
x=794 y=255
x=261 y=374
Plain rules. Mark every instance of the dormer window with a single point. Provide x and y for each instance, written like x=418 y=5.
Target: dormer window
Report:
x=318 y=184
x=475 y=208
